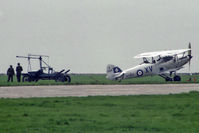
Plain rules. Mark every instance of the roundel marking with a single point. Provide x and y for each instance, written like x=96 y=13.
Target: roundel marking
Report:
x=139 y=73
x=117 y=70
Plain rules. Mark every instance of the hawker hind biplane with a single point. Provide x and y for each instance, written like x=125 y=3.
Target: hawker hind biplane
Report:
x=162 y=63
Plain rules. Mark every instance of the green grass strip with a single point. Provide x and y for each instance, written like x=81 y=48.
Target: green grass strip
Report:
x=85 y=79
x=117 y=114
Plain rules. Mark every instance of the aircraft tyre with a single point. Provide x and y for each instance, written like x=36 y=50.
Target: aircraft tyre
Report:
x=168 y=79
x=177 y=78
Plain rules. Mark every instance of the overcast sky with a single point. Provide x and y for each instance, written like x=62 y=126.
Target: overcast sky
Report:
x=86 y=35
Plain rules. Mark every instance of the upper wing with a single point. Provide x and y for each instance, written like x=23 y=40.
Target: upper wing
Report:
x=161 y=53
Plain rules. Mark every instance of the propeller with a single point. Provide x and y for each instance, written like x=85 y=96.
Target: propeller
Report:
x=190 y=56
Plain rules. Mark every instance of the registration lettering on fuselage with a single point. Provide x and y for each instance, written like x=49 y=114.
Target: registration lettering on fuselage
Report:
x=149 y=69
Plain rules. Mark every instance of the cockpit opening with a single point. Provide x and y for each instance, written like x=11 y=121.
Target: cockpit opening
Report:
x=167 y=58
x=157 y=59
x=148 y=60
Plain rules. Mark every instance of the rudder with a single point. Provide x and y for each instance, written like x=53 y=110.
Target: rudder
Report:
x=112 y=71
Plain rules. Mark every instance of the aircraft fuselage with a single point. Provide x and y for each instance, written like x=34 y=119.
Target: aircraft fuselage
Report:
x=150 y=69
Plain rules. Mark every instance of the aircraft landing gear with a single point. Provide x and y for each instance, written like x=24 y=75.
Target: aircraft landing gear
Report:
x=176 y=78
x=167 y=78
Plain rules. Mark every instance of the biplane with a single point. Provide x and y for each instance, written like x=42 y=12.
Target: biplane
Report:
x=162 y=63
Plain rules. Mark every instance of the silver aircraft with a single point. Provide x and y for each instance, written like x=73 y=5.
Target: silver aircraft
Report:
x=154 y=63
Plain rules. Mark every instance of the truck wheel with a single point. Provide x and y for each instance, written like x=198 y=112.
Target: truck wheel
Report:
x=61 y=78
x=26 y=79
x=68 y=79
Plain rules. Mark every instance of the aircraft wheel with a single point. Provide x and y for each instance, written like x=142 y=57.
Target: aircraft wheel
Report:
x=177 y=78
x=168 y=79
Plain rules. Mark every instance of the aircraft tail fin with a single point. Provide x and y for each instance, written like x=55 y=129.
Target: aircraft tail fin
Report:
x=112 y=72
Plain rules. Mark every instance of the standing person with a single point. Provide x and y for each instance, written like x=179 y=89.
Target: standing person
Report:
x=10 y=73
x=19 y=69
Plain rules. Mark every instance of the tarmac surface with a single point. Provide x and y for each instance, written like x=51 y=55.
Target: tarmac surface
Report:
x=95 y=90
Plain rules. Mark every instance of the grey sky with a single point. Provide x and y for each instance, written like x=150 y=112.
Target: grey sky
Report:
x=86 y=35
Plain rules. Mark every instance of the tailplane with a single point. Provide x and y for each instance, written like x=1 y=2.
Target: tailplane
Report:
x=113 y=72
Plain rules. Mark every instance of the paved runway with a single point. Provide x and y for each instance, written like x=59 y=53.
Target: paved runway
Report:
x=94 y=90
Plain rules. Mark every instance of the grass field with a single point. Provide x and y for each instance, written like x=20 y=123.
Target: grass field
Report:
x=119 y=114
x=80 y=79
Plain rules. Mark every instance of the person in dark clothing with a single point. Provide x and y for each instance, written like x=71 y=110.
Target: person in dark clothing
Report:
x=19 y=69
x=10 y=73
